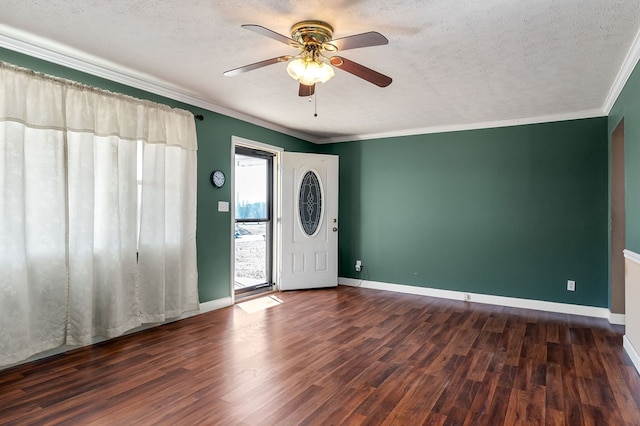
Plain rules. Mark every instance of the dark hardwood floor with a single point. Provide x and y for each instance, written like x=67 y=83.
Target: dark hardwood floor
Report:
x=340 y=356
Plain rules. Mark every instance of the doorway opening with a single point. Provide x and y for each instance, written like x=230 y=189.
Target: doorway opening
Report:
x=253 y=221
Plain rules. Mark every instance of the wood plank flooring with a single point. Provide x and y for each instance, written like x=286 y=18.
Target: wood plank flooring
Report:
x=340 y=356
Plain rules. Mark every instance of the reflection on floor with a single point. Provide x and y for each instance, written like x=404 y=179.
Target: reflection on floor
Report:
x=259 y=304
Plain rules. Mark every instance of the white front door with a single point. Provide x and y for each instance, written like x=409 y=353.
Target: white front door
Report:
x=309 y=221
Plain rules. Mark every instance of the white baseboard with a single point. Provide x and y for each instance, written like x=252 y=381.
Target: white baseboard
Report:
x=204 y=307
x=513 y=302
x=618 y=319
x=213 y=305
x=631 y=351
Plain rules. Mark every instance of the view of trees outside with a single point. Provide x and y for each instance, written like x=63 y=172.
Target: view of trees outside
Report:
x=245 y=210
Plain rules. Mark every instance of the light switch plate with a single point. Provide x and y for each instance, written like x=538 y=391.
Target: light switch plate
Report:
x=223 y=206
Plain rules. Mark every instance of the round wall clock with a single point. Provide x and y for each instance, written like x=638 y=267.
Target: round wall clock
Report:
x=217 y=178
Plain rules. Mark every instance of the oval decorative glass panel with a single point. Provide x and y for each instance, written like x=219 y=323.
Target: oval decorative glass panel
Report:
x=310 y=203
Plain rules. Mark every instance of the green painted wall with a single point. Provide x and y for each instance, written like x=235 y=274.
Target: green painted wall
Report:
x=627 y=106
x=214 y=152
x=509 y=211
x=512 y=211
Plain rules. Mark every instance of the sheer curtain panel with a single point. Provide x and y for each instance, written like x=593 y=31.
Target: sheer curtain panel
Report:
x=33 y=273
x=167 y=232
x=69 y=213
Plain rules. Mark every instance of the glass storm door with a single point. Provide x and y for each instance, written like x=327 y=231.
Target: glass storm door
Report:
x=253 y=176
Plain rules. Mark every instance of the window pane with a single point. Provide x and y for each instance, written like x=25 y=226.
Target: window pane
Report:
x=251 y=254
x=310 y=203
x=139 y=195
x=251 y=187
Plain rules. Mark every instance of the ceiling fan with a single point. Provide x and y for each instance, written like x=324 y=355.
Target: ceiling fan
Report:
x=311 y=65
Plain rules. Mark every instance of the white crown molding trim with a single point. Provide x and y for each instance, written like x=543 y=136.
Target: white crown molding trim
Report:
x=27 y=44
x=513 y=302
x=631 y=351
x=631 y=255
x=628 y=65
x=22 y=42
x=578 y=115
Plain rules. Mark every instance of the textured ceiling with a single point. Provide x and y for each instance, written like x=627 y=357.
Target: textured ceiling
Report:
x=454 y=63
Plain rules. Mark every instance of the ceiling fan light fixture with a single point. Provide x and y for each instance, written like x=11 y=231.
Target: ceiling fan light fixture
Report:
x=311 y=65
x=310 y=72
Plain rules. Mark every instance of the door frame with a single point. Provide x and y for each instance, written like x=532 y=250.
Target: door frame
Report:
x=275 y=242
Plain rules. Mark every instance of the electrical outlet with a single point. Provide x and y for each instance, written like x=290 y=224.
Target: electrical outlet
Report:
x=571 y=285
x=358 y=265
x=466 y=297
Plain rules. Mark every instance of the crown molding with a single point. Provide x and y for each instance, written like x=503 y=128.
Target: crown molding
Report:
x=592 y=113
x=22 y=42
x=628 y=65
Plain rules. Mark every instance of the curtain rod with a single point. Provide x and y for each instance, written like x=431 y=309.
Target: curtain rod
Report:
x=72 y=83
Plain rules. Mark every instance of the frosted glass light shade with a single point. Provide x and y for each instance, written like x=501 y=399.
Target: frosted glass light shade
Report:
x=309 y=72
x=296 y=68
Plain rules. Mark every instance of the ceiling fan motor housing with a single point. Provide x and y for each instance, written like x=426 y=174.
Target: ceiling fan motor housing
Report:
x=304 y=31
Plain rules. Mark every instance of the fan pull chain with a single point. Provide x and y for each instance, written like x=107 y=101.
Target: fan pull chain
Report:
x=314 y=97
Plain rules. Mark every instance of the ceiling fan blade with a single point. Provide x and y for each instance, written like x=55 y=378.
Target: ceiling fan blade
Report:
x=369 y=39
x=260 y=64
x=305 y=90
x=361 y=71
x=271 y=34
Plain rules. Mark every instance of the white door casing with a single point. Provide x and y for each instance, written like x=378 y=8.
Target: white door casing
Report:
x=309 y=261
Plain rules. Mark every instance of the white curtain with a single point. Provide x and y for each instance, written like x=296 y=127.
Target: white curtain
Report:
x=69 y=211
x=167 y=232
